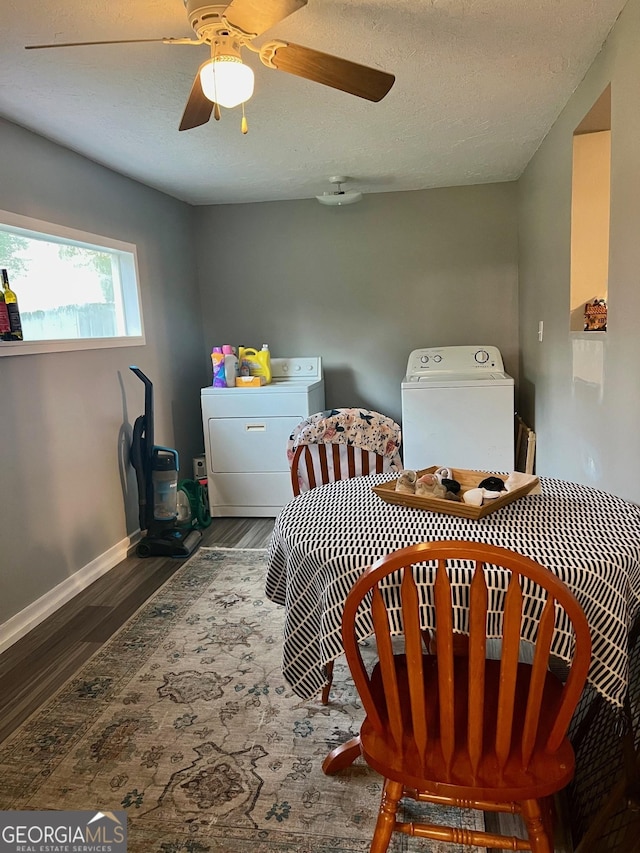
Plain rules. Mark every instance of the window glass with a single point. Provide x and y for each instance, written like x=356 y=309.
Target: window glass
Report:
x=75 y=290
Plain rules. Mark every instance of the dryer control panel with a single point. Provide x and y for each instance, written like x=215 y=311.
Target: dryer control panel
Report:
x=447 y=360
x=290 y=369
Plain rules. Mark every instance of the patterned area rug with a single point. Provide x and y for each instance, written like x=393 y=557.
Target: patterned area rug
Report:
x=184 y=719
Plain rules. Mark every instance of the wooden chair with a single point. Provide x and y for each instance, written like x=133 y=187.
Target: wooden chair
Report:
x=525 y=451
x=325 y=463
x=462 y=730
x=328 y=461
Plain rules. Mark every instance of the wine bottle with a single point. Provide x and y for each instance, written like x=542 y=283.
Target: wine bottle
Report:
x=5 y=325
x=11 y=301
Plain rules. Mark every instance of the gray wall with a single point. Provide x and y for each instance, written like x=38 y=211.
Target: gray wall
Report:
x=65 y=418
x=363 y=285
x=585 y=405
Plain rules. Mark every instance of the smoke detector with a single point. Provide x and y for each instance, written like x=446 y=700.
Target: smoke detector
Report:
x=339 y=196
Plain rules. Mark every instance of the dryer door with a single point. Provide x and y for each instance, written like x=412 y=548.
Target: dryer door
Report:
x=250 y=445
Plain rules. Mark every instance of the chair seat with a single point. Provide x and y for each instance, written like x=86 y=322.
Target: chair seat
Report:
x=545 y=774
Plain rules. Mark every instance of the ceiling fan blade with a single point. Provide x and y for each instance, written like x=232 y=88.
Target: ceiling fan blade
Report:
x=199 y=107
x=255 y=16
x=359 y=80
x=88 y=43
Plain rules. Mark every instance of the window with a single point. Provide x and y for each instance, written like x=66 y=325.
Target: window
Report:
x=75 y=290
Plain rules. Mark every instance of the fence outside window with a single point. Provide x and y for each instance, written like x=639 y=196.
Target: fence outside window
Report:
x=75 y=290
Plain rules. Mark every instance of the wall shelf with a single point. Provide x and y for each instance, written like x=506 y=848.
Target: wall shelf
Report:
x=587 y=336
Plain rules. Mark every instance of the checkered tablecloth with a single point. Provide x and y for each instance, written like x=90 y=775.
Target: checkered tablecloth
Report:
x=323 y=540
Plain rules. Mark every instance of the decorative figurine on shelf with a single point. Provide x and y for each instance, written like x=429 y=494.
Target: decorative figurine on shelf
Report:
x=595 y=316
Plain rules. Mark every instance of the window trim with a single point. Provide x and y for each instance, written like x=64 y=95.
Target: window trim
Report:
x=64 y=234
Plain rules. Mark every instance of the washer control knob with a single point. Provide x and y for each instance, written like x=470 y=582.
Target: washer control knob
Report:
x=482 y=356
x=424 y=359
x=437 y=359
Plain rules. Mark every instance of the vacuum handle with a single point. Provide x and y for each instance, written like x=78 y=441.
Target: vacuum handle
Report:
x=148 y=415
x=169 y=450
x=141 y=375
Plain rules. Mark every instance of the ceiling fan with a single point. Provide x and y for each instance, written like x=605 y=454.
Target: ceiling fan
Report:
x=224 y=80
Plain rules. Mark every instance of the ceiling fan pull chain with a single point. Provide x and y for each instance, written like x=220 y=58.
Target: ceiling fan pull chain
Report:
x=244 y=127
x=214 y=55
x=216 y=105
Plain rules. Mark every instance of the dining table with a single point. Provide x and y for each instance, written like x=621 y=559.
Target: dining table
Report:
x=324 y=538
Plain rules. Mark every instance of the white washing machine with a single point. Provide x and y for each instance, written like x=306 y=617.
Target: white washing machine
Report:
x=458 y=409
x=245 y=437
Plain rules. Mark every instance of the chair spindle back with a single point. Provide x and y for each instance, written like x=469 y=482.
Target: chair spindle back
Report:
x=487 y=718
x=358 y=461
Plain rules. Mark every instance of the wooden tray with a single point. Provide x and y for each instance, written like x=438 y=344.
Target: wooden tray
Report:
x=468 y=480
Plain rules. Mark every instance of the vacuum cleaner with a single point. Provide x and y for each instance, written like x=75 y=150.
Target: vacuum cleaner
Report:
x=156 y=470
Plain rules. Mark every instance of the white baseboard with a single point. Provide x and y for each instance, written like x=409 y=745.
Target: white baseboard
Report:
x=17 y=626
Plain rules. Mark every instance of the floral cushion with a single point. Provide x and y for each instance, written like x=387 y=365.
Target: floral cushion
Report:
x=361 y=428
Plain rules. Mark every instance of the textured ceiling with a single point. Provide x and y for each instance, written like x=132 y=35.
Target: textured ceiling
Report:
x=478 y=85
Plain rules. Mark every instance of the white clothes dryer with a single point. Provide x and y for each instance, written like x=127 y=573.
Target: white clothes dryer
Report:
x=246 y=432
x=458 y=409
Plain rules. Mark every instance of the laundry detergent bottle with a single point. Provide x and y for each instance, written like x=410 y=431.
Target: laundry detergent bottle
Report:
x=231 y=365
x=217 y=360
x=258 y=361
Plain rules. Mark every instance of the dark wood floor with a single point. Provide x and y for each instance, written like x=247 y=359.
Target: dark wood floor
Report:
x=37 y=665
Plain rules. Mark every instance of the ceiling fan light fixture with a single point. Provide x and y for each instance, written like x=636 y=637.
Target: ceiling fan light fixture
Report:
x=339 y=196
x=338 y=199
x=227 y=81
